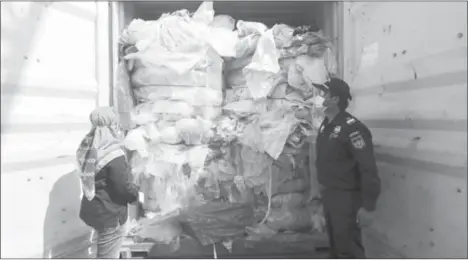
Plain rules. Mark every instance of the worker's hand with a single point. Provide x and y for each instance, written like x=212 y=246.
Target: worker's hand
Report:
x=364 y=217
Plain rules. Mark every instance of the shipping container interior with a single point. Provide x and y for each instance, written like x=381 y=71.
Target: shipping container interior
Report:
x=294 y=13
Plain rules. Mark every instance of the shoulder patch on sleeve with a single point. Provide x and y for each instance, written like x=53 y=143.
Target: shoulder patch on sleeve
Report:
x=350 y=120
x=357 y=140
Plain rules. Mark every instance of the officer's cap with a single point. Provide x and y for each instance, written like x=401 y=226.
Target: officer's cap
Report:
x=336 y=87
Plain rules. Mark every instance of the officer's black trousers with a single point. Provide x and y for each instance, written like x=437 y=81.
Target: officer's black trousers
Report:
x=340 y=208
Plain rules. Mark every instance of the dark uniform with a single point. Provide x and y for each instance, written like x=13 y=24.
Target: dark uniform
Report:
x=348 y=174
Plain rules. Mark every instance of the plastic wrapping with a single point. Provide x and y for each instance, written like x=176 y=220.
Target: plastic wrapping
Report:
x=283 y=35
x=194 y=131
x=224 y=21
x=195 y=96
x=247 y=45
x=290 y=201
x=262 y=72
x=290 y=219
x=215 y=222
x=123 y=97
x=314 y=70
x=147 y=76
x=245 y=28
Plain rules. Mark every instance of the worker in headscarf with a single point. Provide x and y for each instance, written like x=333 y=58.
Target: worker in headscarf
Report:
x=346 y=170
x=106 y=181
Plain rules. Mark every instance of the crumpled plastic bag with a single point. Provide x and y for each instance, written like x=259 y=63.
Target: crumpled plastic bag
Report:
x=244 y=108
x=238 y=63
x=167 y=187
x=314 y=70
x=224 y=21
x=177 y=41
x=263 y=68
x=238 y=94
x=166 y=231
x=136 y=140
x=283 y=35
x=194 y=131
x=276 y=127
x=224 y=41
x=245 y=28
x=204 y=14
x=195 y=96
x=289 y=219
x=290 y=201
x=247 y=45
x=215 y=222
x=170 y=135
x=169 y=107
x=260 y=231
x=236 y=78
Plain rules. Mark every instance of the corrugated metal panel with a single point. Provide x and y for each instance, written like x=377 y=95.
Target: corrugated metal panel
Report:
x=269 y=12
x=52 y=78
x=407 y=66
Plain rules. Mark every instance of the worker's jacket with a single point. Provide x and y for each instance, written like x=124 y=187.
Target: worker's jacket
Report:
x=114 y=191
x=345 y=158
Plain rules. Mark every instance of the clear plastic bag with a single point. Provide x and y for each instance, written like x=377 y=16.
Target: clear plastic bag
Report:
x=283 y=35
x=262 y=71
x=245 y=28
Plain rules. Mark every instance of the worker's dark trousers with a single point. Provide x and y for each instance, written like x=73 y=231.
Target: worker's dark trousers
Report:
x=340 y=208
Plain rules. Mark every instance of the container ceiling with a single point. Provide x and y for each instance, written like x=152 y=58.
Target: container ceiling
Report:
x=293 y=13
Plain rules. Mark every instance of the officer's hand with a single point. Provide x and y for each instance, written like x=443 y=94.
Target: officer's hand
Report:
x=364 y=217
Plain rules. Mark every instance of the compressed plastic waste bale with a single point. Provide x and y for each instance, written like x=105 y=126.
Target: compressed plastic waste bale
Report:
x=224 y=21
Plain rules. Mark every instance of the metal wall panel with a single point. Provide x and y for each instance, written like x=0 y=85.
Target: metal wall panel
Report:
x=407 y=66
x=54 y=73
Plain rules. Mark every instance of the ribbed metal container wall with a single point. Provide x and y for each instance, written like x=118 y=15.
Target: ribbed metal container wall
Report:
x=407 y=65
x=54 y=72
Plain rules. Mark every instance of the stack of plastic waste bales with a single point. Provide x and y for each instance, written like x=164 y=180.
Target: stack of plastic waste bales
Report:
x=270 y=92
x=176 y=74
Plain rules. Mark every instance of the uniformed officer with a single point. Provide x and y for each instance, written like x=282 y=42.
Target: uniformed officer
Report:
x=346 y=171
